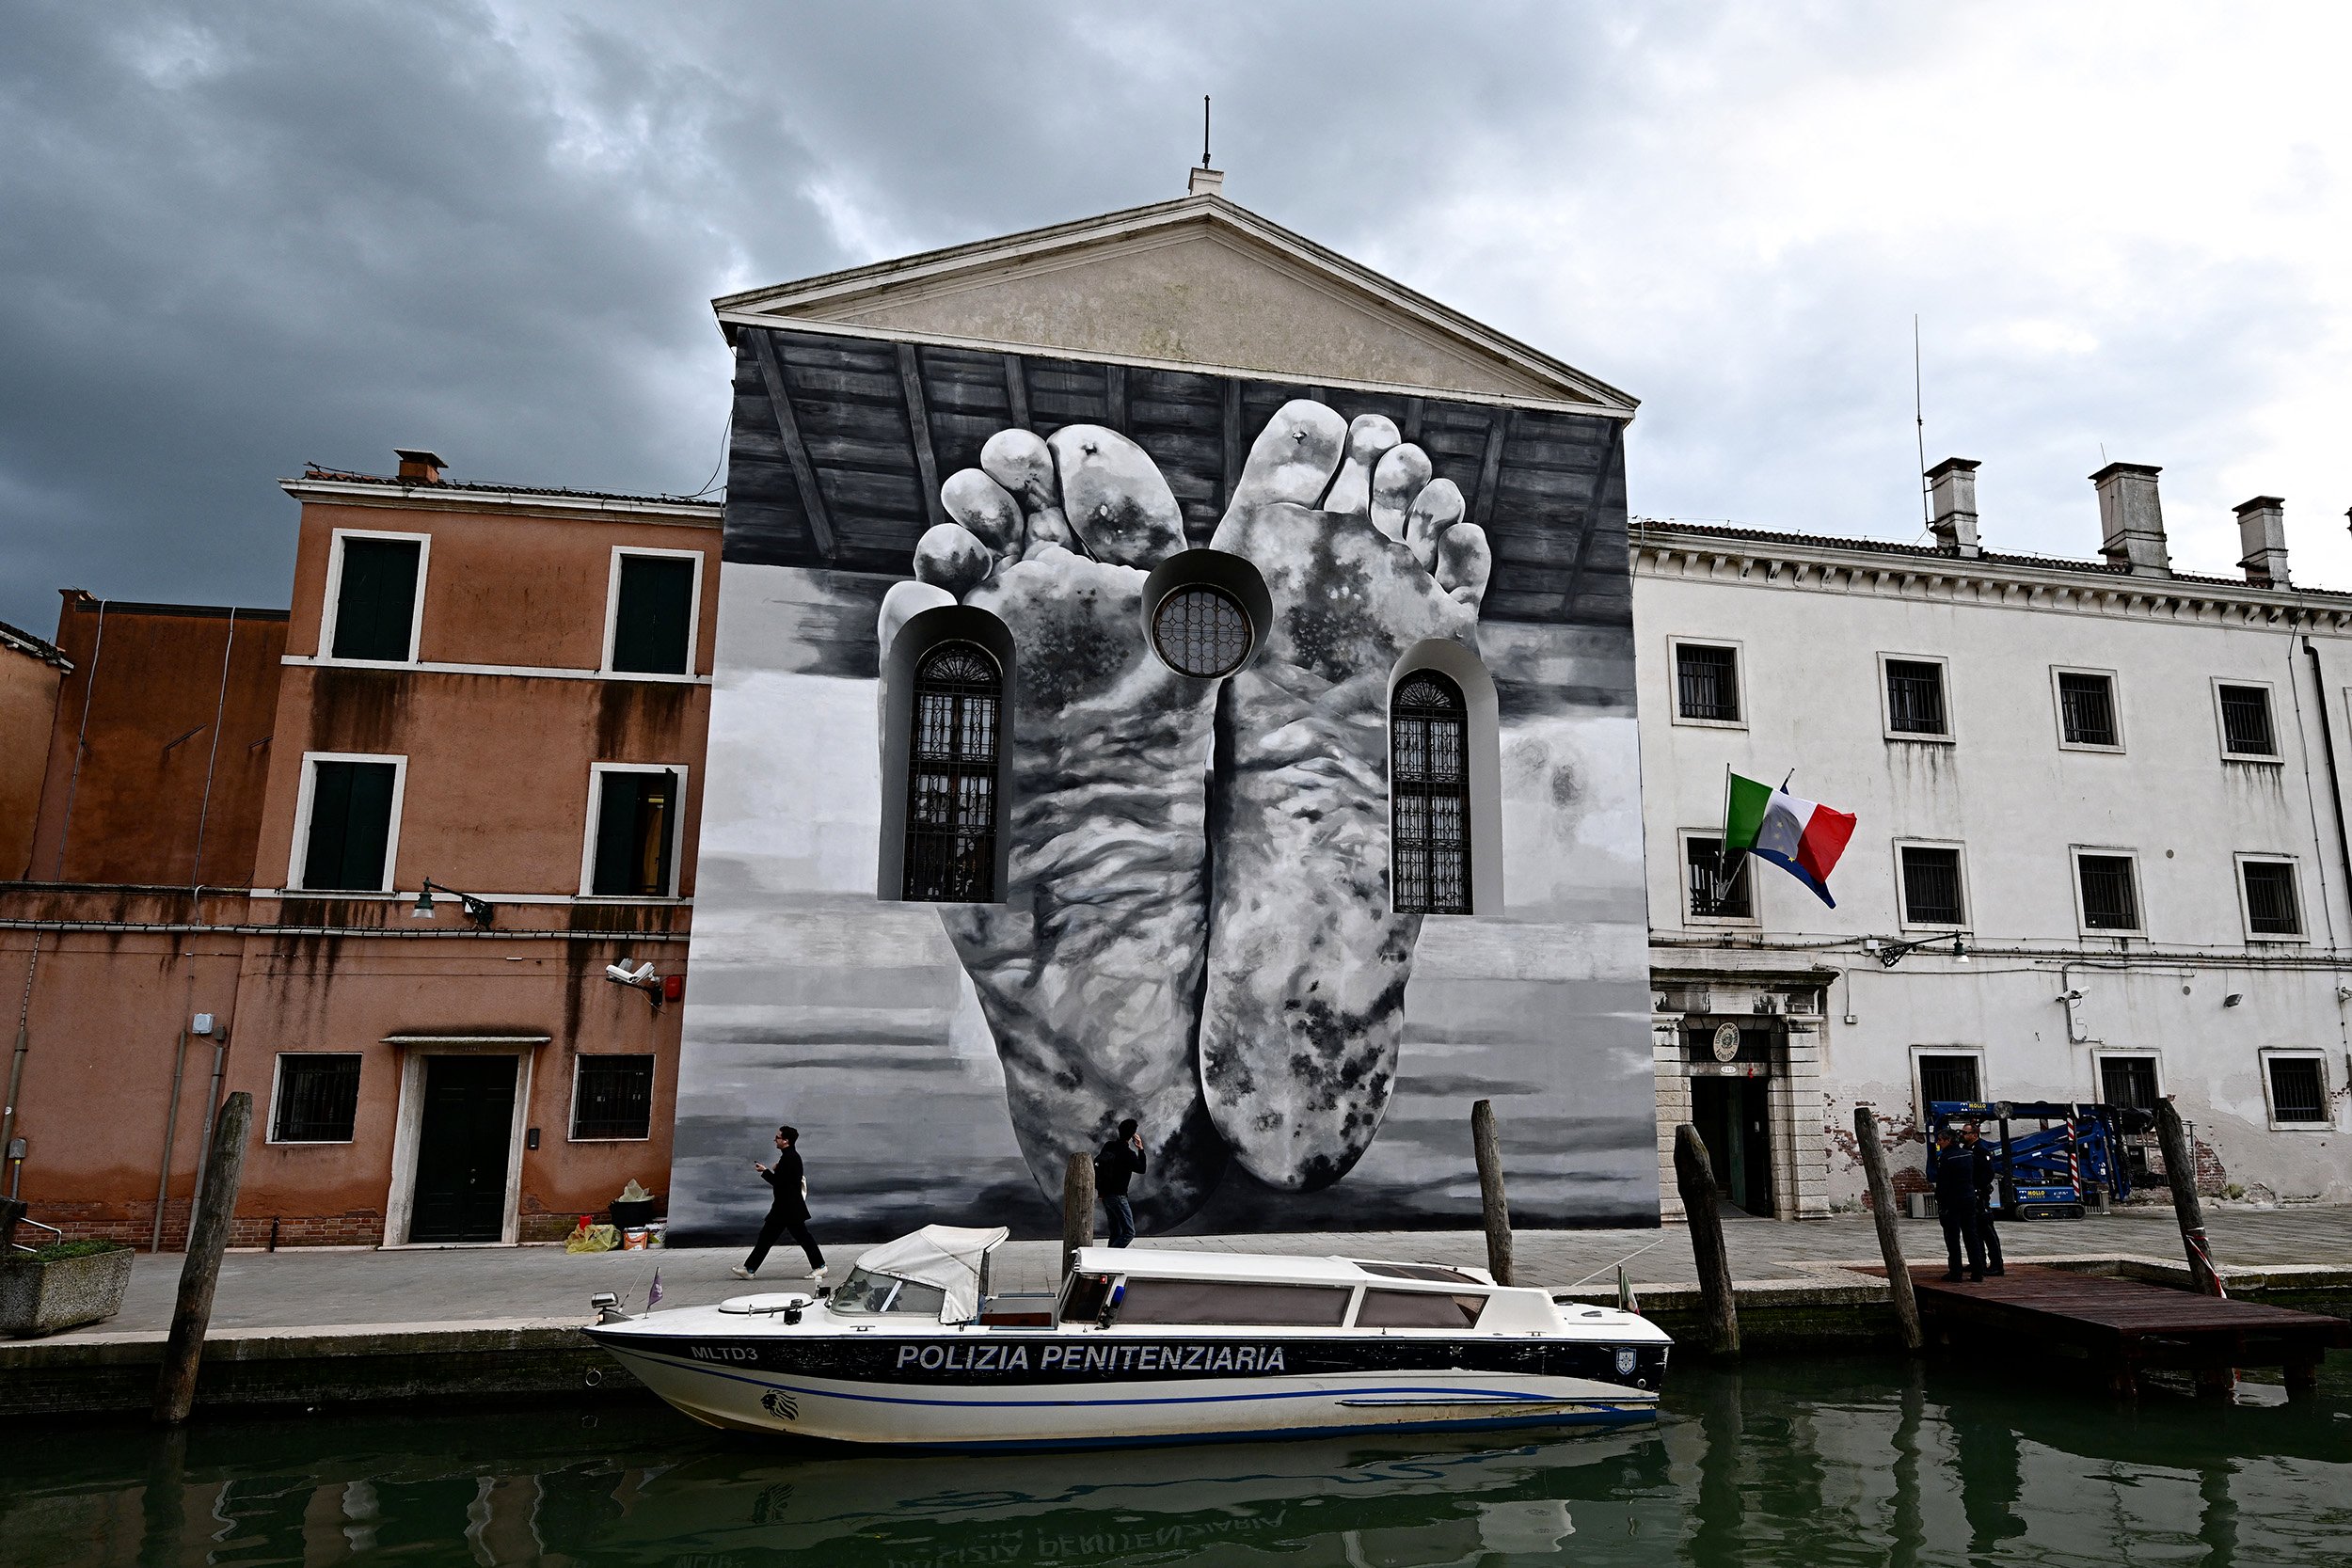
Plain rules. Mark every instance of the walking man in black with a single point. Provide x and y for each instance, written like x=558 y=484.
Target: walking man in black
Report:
x=1956 y=1206
x=787 y=1211
x=1988 y=1197
x=1120 y=1162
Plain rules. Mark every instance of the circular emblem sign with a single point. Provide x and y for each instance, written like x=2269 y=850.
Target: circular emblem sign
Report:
x=1727 y=1042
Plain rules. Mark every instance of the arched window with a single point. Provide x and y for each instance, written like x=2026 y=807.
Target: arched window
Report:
x=1429 y=843
x=951 y=777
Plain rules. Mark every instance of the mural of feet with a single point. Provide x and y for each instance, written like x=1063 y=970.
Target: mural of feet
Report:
x=1264 y=1012
x=1364 y=555
x=1089 y=970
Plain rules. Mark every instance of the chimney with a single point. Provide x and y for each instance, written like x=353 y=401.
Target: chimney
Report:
x=1207 y=182
x=1952 y=493
x=419 y=466
x=2262 y=535
x=2131 y=519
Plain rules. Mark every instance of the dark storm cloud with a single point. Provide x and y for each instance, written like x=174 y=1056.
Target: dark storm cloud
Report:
x=236 y=238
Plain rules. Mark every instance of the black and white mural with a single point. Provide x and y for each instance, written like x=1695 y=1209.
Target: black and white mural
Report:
x=1094 y=741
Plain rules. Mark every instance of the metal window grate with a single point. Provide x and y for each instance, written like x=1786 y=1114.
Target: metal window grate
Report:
x=1429 y=796
x=2128 y=1081
x=951 y=778
x=1706 y=682
x=612 y=1098
x=1702 y=857
x=2271 y=909
x=2298 y=1091
x=2110 y=903
x=2246 y=722
x=318 y=1098
x=2087 y=709
x=1932 y=886
x=1949 y=1078
x=1915 y=697
x=1202 y=631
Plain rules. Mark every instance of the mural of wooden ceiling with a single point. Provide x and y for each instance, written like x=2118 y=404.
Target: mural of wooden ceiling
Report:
x=839 y=444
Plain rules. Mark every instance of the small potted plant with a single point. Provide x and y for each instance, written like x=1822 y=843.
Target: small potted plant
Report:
x=63 y=1285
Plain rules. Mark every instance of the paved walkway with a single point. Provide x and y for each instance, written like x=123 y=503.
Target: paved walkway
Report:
x=313 y=1288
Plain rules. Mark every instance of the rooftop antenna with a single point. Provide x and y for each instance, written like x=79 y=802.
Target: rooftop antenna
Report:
x=1205 y=180
x=1919 y=421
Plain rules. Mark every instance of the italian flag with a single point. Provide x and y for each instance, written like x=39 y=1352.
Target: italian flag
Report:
x=1802 y=837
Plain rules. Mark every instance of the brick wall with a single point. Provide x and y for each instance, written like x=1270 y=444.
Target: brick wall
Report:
x=134 y=1223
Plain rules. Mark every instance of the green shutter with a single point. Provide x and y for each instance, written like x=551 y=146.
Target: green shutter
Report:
x=351 y=824
x=634 y=819
x=376 y=603
x=654 y=615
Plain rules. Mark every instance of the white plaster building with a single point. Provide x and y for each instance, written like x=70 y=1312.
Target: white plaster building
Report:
x=2112 y=787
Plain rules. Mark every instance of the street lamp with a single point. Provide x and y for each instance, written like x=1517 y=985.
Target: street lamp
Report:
x=1889 y=954
x=480 y=911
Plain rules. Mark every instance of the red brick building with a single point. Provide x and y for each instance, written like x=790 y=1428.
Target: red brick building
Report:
x=501 y=691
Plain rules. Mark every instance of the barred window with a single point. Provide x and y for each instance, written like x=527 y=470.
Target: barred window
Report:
x=2129 y=1081
x=318 y=1098
x=1701 y=859
x=2087 y=709
x=2246 y=721
x=612 y=1098
x=1202 y=631
x=1429 y=796
x=2271 y=906
x=1947 y=1080
x=951 y=777
x=2298 y=1089
x=1706 y=682
x=1915 y=697
x=1932 y=886
x=2111 y=901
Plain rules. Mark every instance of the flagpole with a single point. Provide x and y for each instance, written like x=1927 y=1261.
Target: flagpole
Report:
x=1720 y=883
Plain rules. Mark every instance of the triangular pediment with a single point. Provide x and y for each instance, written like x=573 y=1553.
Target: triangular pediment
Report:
x=1194 y=284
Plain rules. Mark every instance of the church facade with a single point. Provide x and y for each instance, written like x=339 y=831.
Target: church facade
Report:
x=1166 y=671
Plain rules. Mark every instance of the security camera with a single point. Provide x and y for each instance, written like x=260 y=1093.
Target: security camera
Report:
x=2072 y=996
x=620 y=973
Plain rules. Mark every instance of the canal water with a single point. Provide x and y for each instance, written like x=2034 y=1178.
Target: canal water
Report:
x=1804 y=1463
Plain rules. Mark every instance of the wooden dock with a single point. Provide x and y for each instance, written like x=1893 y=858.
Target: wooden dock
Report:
x=2124 y=1328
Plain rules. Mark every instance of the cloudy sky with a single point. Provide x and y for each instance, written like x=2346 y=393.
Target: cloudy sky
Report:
x=235 y=238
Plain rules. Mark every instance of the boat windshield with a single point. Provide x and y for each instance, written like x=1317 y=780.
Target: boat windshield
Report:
x=880 y=1292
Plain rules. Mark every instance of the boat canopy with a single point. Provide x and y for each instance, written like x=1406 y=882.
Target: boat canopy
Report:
x=942 y=1255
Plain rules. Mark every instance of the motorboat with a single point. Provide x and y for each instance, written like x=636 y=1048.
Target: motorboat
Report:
x=1140 y=1345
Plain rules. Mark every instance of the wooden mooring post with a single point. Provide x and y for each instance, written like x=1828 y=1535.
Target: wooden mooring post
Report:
x=216 y=1209
x=2180 y=1173
x=1491 y=1199
x=1077 y=1208
x=1695 y=1178
x=1865 y=1135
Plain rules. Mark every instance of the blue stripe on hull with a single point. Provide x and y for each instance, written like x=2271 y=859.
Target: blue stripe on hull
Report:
x=1615 y=1415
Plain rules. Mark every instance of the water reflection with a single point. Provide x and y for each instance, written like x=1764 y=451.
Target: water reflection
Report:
x=1870 y=1461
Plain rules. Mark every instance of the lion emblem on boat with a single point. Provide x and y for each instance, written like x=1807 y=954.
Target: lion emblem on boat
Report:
x=783 y=1406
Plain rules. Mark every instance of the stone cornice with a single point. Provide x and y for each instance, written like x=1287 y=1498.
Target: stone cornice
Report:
x=1670 y=551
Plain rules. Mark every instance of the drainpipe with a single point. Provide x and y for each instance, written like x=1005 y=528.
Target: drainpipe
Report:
x=16 y=1061
x=172 y=1125
x=2327 y=750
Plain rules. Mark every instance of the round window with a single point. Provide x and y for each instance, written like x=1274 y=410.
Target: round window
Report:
x=1202 y=631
